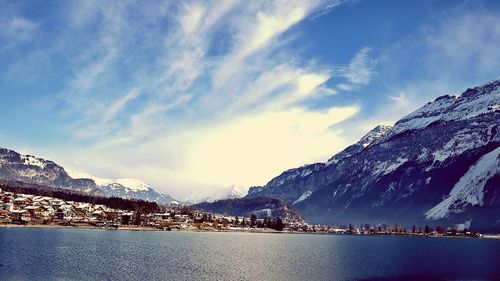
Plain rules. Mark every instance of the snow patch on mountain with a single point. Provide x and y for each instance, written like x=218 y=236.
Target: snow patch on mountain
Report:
x=33 y=161
x=303 y=197
x=386 y=167
x=469 y=189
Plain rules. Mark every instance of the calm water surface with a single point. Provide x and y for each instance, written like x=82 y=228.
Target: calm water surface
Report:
x=75 y=254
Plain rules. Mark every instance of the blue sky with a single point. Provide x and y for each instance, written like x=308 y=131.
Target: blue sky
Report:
x=197 y=95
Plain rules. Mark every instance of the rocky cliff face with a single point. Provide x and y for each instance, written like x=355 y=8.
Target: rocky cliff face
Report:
x=437 y=165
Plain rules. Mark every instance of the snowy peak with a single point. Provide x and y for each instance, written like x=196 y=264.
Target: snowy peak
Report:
x=471 y=103
x=128 y=183
x=230 y=192
x=372 y=136
x=133 y=184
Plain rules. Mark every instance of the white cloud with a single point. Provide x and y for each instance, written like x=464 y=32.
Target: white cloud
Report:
x=239 y=152
x=257 y=31
x=119 y=105
x=269 y=26
x=360 y=68
x=191 y=17
x=16 y=30
x=400 y=101
x=467 y=40
x=358 y=72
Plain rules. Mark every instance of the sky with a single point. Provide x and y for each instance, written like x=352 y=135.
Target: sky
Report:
x=194 y=96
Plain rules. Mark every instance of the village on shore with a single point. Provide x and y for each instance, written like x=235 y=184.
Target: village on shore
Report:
x=17 y=209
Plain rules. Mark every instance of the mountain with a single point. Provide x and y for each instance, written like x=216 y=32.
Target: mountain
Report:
x=126 y=188
x=230 y=192
x=437 y=165
x=261 y=207
x=30 y=169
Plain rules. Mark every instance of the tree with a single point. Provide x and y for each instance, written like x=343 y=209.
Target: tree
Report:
x=427 y=229
x=440 y=229
x=279 y=224
x=253 y=219
x=138 y=219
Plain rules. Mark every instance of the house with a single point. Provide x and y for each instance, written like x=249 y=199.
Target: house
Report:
x=4 y=214
x=48 y=211
x=162 y=217
x=65 y=212
x=21 y=216
x=84 y=207
x=20 y=202
x=126 y=217
x=35 y=211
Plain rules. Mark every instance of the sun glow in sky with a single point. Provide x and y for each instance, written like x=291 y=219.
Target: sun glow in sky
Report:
x=197 y=95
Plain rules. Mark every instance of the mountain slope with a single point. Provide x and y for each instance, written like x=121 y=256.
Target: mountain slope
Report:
x=288 y=186
x=437 y=165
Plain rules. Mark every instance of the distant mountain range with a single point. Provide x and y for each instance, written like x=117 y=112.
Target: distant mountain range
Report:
x=437 y=165
x=30 y=169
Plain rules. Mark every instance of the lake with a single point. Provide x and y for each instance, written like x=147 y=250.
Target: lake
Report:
x=81 y=254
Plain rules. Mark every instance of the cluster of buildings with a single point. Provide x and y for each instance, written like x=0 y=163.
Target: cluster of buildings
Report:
x=32 y=209
x=28 y=209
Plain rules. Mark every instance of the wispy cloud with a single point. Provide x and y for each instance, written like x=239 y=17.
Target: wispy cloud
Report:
x=119 y=105
x=15 y=31
x=359 y=71
x=470 y=39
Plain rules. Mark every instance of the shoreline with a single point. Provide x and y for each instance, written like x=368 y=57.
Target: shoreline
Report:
x=255 y=230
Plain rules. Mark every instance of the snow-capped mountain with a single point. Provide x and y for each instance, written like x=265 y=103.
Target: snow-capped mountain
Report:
x=437 y=165
x=128 y=184
x=230 y=192
x=125 y=188
x=30 y=169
